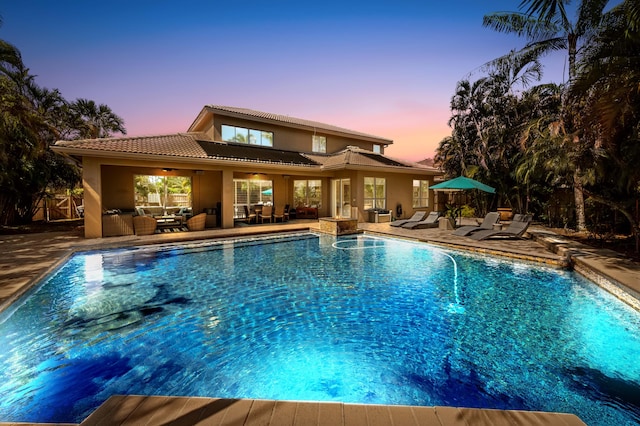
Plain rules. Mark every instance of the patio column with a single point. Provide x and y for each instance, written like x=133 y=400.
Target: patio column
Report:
x=226 y=215
x=92 y=184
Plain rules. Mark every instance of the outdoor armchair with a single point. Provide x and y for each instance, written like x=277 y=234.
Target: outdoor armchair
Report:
x=144 y=225
x=197 y=222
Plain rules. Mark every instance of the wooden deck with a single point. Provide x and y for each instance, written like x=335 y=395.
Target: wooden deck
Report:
x=158 y=410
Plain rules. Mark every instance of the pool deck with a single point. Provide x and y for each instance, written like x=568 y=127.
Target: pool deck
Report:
x=28 y=257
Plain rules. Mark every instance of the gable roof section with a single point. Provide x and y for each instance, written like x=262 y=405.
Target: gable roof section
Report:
x=382 y=159
x=241 y=152
x=189 y=145
x=288 y=121
x=354 y=156
x=175 y=145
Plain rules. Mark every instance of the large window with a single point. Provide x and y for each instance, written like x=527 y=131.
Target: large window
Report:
x=249 y=193
x=420 y=193
x=319 y=143
x=375 y=193
x=162 y=195
x=307 y=193
x=244 y=135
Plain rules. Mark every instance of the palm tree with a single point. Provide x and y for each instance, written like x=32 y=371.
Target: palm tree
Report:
x=96 y=121
x=486 y=118
x=606 y=97
x=10 y=58
x=545 y=165
x=547 y=27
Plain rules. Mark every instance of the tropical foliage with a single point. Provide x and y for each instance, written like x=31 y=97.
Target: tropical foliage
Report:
x=163 y=191
x=536 y=143
x=31 y=119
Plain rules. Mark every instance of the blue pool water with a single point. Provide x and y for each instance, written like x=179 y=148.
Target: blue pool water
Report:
x=307 y=317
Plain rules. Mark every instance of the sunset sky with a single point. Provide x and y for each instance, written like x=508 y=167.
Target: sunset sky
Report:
x=388 y=68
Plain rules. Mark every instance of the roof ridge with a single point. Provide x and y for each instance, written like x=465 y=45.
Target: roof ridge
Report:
x=120 y=138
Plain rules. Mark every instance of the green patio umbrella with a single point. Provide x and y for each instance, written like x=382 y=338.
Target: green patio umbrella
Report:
x=462 y=183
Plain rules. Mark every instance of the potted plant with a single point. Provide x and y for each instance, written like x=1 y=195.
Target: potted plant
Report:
x=452 y=212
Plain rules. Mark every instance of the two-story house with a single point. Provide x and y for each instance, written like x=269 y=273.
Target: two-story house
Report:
x=235 y=157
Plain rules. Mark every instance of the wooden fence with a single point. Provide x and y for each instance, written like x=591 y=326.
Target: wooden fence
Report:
x=58 y=208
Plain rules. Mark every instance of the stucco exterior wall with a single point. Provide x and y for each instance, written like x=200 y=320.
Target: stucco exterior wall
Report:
x=399 y=189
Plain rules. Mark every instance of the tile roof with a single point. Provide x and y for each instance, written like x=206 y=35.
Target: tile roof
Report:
x=359 y=157
x=175 y=145
x=293 y=121
x=199 y=146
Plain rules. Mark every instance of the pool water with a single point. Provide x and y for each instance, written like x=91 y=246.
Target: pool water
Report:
x=306 y=317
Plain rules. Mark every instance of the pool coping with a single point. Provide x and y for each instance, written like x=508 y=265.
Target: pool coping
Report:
x=187 y=411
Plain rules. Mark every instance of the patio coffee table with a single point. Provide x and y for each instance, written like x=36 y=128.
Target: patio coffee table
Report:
x=169 y=221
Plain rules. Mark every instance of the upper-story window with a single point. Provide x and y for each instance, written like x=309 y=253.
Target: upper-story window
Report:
x=319 y=143
x=377 y=148
x=244 y=135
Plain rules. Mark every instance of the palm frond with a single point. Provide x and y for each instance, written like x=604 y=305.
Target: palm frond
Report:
x=632 y=12
x=9 y=55
x=520 y=24
x=589 y=15
x=547 y=10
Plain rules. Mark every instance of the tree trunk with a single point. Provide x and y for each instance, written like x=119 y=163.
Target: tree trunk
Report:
x=578 y=193
x=635 y=225
x=581 y=222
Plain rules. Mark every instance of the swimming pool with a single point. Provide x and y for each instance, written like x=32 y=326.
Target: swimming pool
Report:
x=308 y=317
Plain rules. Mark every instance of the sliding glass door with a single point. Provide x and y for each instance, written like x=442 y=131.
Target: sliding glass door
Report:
x=341 y=198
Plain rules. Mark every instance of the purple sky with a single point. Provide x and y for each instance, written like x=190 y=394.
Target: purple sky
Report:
x=388 y=68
